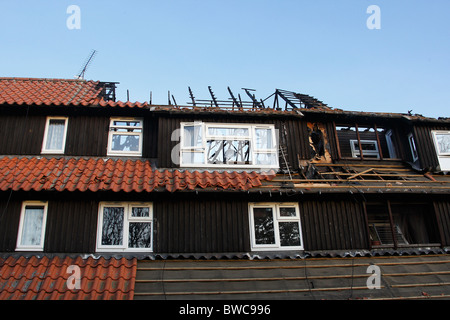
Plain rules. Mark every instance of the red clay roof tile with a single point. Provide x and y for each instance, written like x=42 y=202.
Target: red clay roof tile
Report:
x=41 y=91
x=72 y=174
x=46 y=278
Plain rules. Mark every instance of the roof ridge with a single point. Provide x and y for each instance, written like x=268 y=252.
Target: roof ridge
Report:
x=46 y=79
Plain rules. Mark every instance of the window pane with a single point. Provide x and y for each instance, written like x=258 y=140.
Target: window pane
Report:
x=192 y=157
x=112 y=229
x=139 y=235
x=55 y=134
x=367 y=145
x=264 y=226
x=289 y=234
x=443 y=142
x=263 y=138
x=125 y=142
x=32 y=226
x=192 y=136
x=140 y=212
x=225 y=151
x=287 y=212
x=266 y=158
x=218 y=131
x=127 y=126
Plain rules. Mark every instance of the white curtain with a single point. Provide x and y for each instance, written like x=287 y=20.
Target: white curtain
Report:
x=55 y=135
x=32 y=226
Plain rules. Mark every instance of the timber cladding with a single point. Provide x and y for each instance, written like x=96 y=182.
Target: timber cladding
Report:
x=184 y=226
x=333 y=225
x=194 y=224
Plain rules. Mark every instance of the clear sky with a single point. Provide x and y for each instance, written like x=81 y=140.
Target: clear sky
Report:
x=323 y=48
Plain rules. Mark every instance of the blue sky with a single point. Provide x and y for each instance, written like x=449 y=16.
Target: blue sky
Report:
x=322 y=48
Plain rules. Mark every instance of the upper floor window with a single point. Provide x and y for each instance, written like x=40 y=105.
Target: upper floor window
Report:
x=442 y=145
x=366 y=142
x=275 y=226
x=55 y=135
x=125 y=227
x=228 y=145
x=32 y=226
x=412 y=146
x=125 y=137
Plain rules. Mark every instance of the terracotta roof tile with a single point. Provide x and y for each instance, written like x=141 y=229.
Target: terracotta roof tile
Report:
x=41 y=91
x=44 y=278
x=49 y=91
x=96 y=174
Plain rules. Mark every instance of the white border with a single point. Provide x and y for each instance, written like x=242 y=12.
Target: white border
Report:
x=251 y=137
x=355 y=151
x=112 y=132
x=127 y=219
x=44 y=150
x=412 y=147
x=40 y=247
x=276 y=212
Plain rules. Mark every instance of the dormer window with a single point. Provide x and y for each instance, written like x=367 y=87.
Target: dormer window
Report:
x=442 y=145
x=228 y=145
x=55 y=135
x=365 y=142
x=125 y=137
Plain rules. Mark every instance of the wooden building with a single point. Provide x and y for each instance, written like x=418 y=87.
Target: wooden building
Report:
x=218 y=187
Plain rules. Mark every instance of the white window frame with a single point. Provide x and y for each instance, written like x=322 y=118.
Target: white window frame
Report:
x=390 y=144
x=127 y=219
x=276 y=219
x=112 y=132
x=44 y=149
x=251 y=137
x=413 y=148
x=40 y=246
x=436 y=144
x=443 y=157
x=355 y=149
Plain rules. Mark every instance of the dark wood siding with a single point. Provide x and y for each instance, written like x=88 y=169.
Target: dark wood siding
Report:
x=71 y=226
x=186 y=226
x=333 y=225
x=87 y=136
x=9 y=223
x=425 y=145
x=21 y=135
x=442 y=209
x=294 y=131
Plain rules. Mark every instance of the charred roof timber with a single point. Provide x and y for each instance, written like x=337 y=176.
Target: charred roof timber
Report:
x=108 y=92
x=282 y=100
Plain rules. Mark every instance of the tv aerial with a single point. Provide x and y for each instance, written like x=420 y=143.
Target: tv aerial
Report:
x=86 y=65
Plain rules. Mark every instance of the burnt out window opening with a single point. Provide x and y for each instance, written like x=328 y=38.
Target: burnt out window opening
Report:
x=228 y=145
x=401 y=224
x=366 y=142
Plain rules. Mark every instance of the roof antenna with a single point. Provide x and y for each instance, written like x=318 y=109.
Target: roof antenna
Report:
x=86 y=65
